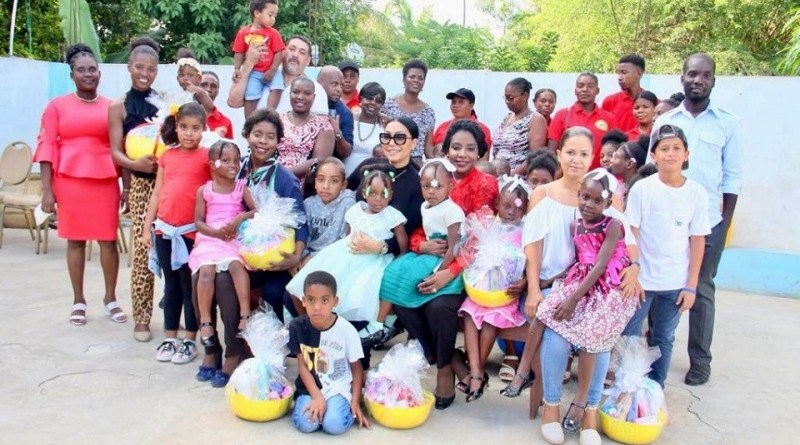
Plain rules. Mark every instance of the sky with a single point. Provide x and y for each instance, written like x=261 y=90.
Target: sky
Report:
x=452 y=10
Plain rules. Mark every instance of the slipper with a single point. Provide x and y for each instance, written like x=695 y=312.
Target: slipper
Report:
x=78 y=319
x=507 y=371
x=116 y=317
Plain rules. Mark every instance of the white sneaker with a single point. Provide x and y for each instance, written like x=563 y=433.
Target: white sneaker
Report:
x=166 y=350
x=187 y=351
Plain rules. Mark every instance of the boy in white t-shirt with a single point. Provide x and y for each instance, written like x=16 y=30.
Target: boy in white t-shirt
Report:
x=668 y=214
x=328 y=350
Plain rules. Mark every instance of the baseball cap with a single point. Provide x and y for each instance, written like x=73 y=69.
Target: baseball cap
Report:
x=349 y=65
x=665 y=132
x=466 y=93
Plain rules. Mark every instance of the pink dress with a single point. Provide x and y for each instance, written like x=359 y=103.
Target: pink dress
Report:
x=502 y=317
x=602 y=314
x=220 y=210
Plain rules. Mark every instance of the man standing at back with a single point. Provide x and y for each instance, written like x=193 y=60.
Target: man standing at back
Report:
x=715 y=163
x=340 y=116
x=629 y=75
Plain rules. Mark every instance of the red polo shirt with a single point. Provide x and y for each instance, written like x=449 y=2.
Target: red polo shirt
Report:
x=354 y=101
x=441 y=132
x=598 y=122
x=216 y=120
x=621 y=106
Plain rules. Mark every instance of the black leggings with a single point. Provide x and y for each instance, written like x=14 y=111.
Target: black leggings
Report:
x=435 y=325
x=273 y=290
x=177 y=288
x=225 y=298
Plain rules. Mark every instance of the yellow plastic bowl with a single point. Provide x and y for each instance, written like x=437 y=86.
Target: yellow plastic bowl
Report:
x=401 y=418
x=256 y=410
x=263 y=260
x=144 y=140
x=632 y=433
x=488 y=298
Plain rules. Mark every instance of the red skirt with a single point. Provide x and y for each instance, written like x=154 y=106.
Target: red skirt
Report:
x=88 y=208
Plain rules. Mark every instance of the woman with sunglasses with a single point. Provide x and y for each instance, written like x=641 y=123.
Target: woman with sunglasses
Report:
x=368 y=127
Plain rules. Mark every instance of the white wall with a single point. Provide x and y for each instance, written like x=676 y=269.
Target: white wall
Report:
x=766 y=106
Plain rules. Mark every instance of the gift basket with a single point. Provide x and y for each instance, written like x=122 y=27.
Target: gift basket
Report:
x=635 y=411
x=145 y=139
x=270 y=233
x=393 y=393
x=491 y=258
x=258 y=389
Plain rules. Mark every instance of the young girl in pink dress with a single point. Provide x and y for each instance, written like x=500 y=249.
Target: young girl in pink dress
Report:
x=481 y=323
x=219 y=212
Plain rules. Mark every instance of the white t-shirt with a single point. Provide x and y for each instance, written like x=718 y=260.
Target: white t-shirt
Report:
x=666 y=217
x=365 y=137
x=438 y=218
x=327 y=354
x=320 y=105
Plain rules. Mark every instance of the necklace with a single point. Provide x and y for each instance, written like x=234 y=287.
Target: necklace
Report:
x=374 y=126
x=88 y=101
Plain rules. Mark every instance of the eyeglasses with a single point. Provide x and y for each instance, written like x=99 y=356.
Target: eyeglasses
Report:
x=398 y=138
x=375 y=100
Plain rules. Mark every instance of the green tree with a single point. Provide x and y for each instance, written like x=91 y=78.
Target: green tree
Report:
x=77 y=24
x=37 y=30
x=790 y=64
x=117 y=22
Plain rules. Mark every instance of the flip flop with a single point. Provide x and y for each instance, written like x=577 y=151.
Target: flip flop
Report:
x=78 y=319
x=116 y=317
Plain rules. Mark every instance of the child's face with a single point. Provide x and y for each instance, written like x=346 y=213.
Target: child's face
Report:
x=377 y=195
x=539 y=176
x=263 y=141
x=190 y=131
x=511 y=208
x=502 y=167
x=436 y=184
x=227 y=165
x=591 y=203
x=319 y=302
x=545 y=103
x=329 y=182
x=644 y=111
x=606 y=153
x=189 y=76
x=377 y=152
x=620 y=163
x=266 y=17
x=670 y=154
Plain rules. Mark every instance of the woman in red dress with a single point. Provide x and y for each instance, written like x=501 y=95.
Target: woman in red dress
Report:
x=79 y=176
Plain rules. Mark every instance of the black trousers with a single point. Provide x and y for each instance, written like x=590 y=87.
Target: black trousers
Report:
x=177 y=288
x=225 y=300
x=435 y=325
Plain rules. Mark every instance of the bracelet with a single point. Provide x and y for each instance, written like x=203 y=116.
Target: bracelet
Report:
x=636 y=263
x=689 y=290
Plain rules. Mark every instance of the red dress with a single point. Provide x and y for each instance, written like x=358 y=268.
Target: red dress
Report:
x=74 y=139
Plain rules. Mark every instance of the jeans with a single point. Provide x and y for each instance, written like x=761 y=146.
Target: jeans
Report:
x=337 y=418
x=177 y=288
x=665 y=318
x=555 y=352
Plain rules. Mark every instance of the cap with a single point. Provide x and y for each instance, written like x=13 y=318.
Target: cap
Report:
x=348 y=65
x=466 y=93
x=665 y=132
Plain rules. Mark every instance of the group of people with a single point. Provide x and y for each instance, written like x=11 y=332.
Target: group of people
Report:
x=386 y=194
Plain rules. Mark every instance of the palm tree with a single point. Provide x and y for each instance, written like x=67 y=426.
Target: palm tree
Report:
x=76 y=22
x=790 y=64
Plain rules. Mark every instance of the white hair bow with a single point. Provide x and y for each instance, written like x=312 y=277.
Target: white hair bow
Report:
x=513 y=182
x=446 y=165
x=599 y=173
x=191 y=62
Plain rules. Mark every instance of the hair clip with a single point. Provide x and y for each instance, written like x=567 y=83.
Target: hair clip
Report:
x=385 y=193
x=367 y=191
x=173 y=109
x=217 y=163
x=513 y=182
x=366 y=173
x=600 y=173
x=391 y=175
x=604 y=194
x=518 y=203
x=435 y=183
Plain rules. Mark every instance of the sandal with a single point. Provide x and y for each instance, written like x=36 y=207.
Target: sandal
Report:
x=573 y=425
x=116 y=317
x=478 y=393
x=207 y=340
x=240 y=332
x=78 y=319
x=463 y=385
x=507 y=370
x=512 y=391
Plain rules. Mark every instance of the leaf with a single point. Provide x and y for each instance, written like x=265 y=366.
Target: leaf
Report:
x=77 y=25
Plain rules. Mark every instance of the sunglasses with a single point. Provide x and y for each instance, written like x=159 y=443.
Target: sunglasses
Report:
x=398 y=138
x=376 y=100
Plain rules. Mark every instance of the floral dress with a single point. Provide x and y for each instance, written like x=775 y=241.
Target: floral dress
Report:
x=298 y=141
x=511 y=140
x=602 y=314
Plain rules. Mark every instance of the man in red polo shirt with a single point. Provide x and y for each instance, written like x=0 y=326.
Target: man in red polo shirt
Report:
x=351 y=74
x=462 y=105
x=216 y=121
x=629 y=76
x=583 y=113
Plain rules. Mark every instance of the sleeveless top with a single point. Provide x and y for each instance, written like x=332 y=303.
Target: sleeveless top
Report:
x=511 y=141
x=137 y=111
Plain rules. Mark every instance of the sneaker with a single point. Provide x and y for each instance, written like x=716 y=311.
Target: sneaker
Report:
x=165 y=351
x=187 y=351
x=388 y=334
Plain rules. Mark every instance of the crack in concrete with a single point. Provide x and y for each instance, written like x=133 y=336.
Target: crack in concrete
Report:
x=695 y=413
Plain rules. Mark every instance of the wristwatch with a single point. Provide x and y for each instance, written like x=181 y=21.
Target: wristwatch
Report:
x=385 y=248
x=338 y=136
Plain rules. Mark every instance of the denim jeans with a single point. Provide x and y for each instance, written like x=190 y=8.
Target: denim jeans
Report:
x=555 y=352
x=337 y=418
x=665 y=316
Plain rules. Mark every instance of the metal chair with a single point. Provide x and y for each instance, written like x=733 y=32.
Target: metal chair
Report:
x=15 y=171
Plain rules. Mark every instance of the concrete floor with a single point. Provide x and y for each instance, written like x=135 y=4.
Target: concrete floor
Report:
x=95 y=384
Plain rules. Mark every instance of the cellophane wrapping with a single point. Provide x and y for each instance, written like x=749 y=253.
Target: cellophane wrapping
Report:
x=491 y=258
x=634 y=397
x=397 y=381
x=274 y=221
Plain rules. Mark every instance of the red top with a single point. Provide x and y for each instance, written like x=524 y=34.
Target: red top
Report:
x=272 y=41
x=475 y=190
x=184 y=172
x=354 y=101
x=634 y=134
x=74 y=138
x=217 y=120
x=441 y=131
x=621 y=106
x=598 y=122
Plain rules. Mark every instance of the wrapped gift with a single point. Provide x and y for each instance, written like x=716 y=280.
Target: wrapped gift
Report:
x=270 y=233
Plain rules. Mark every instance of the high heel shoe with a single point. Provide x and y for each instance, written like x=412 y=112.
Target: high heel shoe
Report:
x=208 y=341
x=478 y=393
x=444 y=402
x=240 y=332
x=512 y=391
x=571 y=424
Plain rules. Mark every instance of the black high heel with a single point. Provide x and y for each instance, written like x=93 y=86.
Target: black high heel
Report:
x=511 y=391
x=478 y=393
x=444 y=402
x=240 y=332
x=211 y=340
x=570 y=424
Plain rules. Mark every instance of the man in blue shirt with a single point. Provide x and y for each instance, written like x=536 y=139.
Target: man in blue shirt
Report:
x=715 y=163
x=340 y=116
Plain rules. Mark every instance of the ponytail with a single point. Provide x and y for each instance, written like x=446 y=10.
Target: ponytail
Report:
x=169 y=129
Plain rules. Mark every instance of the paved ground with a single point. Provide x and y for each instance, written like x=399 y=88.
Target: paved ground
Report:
x=95 y=384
